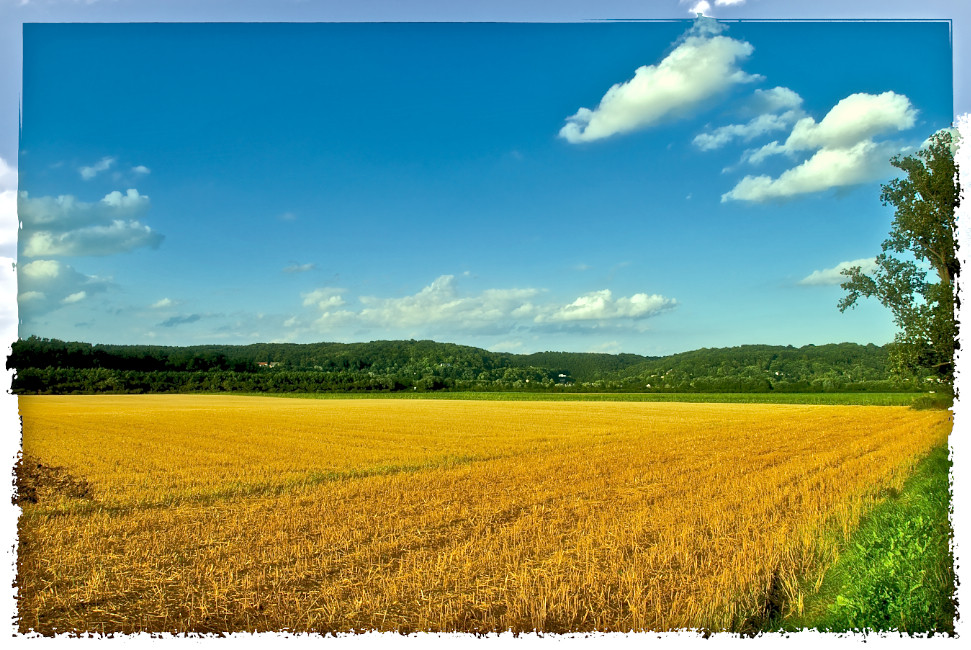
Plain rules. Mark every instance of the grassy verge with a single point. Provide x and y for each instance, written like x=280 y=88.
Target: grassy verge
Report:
x=897 y=571
x=860 y=399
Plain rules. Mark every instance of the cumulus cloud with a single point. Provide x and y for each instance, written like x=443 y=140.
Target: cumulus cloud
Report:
x=87 y=173
x=46 y=285
x=702 y=65
x=601 y=305
x=141 y=169
x=835 y=275
x=66 y=211
x=324 y=298
x=441 y=304
x=778 y=109
x=774 y=100
x=117 y=237
x=855 y=118
x=163 y=303
x=827 y=168
x=845 y=152
x=703 y=6
x=64 y=226
x=758 y=126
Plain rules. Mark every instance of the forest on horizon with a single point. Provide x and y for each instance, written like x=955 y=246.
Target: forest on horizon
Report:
x=62 y=367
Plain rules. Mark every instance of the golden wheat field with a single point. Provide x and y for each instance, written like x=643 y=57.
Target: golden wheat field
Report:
x=202 y=513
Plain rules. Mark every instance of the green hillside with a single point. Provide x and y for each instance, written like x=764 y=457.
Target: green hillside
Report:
x=53 y=366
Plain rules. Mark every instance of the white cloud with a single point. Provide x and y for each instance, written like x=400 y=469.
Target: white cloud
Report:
x=440 y=306
x=41 y=269
x=141 y=169
x=776 y=99
x=758 y=126
x=778 y=108
x=87 y=173
x=440 y=302
x=163 y=303
x=755 y=156
x=701 y=7
x=65 y=226
x=66 y=211
x=855 y=118
x=835 y=274
x=703 y=65
x=827 y=168
x=324 y=298
x=600 y=305
x=117 y=237
x=46 y=285
x=845 y=151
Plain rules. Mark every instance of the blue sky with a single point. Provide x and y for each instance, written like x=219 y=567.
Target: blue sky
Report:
x=647 y=187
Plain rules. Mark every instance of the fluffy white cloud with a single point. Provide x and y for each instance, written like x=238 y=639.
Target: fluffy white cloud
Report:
x=87 y=173
x=41 y=270
x=64 y=226
x=845 y=151
x=324 y=298
x=141 y=169
x=855 y=118
x=703 y=6
x=163 y=303
x=701 y=66
x=756 y=156
x=776 y=99
x=835 y=274
x=778 y=109
x=117 y=237
x=440 y=302
x=66 y=211
x=46 y=285
x=827 y=168
x=441 y=305
x=758 y=126
x=600 y=305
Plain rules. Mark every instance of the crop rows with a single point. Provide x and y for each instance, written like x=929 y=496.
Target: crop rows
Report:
x=206 y=513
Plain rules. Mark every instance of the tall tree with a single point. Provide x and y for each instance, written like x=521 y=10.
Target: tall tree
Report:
x=921 y=236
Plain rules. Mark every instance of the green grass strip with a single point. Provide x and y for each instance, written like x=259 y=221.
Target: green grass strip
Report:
x=854 y=399
x=897 y=571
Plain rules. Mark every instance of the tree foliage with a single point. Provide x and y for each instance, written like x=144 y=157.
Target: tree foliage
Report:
x=53 y=366
x=921 y=236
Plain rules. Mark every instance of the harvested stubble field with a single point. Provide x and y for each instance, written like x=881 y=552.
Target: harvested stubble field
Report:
x=222 y=513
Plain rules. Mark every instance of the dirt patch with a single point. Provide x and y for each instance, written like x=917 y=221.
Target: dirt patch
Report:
x=36 y=482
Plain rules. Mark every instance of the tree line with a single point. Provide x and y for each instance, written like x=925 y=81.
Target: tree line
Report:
x=54 y=366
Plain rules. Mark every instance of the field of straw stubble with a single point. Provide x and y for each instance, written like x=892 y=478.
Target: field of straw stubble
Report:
x=219 y=513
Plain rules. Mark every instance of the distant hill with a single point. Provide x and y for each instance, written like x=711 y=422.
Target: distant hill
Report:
x=50 y=365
